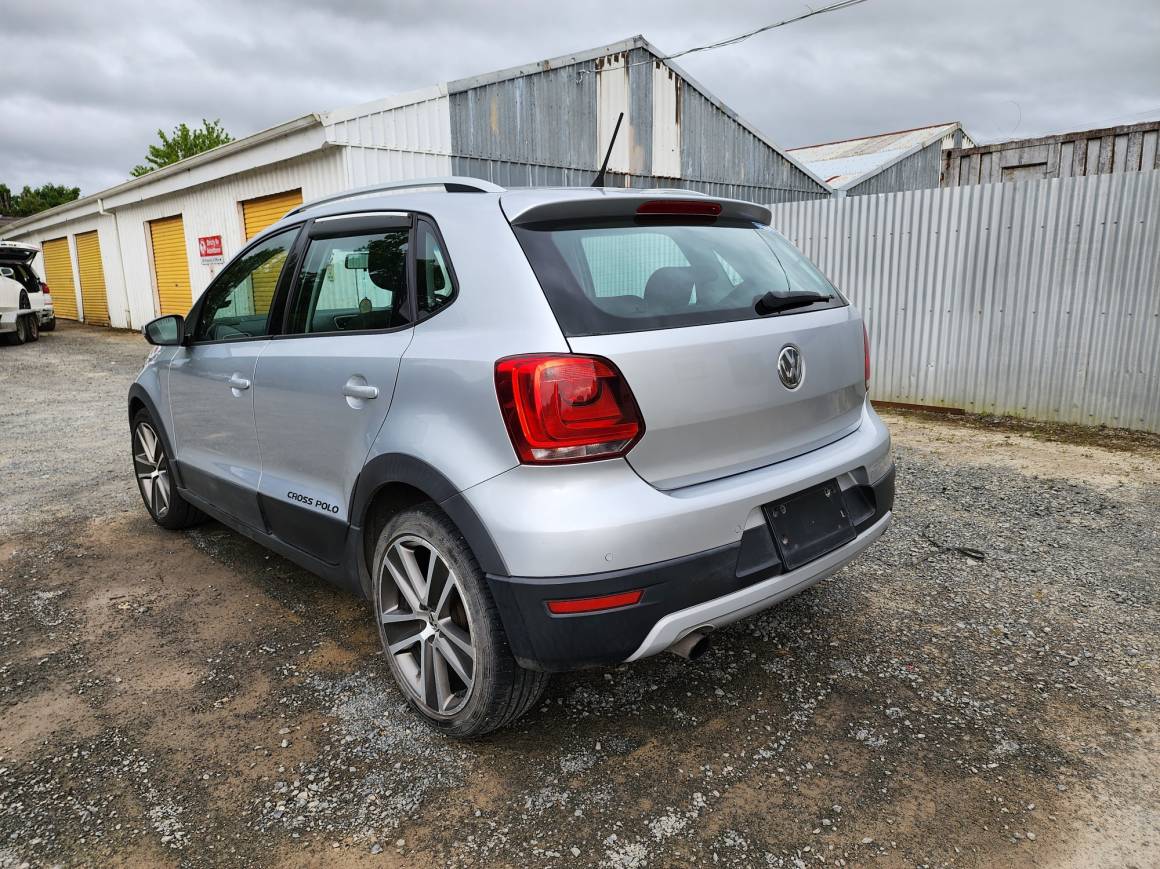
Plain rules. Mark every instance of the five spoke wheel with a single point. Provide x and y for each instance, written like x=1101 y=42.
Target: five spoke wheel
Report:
x=152 y=469
x=425 y=625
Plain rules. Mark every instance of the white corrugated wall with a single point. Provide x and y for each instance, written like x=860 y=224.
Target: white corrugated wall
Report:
x=394 y=139
x=210 y=209
x=1038 y=299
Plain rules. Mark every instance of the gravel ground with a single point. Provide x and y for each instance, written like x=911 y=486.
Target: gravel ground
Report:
x=190 y=699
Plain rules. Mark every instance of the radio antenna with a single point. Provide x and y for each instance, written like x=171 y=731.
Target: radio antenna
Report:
x=599 y=180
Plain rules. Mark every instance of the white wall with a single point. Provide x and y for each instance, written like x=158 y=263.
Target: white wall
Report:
x=210 y=209
x=393 y=139
x=214 y=209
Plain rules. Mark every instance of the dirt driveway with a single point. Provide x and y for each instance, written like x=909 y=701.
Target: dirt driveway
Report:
x=190 y=699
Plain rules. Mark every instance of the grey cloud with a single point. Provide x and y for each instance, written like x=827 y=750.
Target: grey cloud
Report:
x=87 y=85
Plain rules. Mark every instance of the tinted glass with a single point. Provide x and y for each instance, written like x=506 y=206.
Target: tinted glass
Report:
x=608 y=277
x=353 y=283
x=237 y=304
x=435 y=287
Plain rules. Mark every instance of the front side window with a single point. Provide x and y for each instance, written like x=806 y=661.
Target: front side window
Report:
x=237 y=304
x=353 y=283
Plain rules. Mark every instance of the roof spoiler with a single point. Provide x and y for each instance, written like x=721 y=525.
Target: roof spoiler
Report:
x=533 y=207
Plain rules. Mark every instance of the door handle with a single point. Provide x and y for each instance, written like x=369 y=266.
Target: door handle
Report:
x=239 y=382
x=360 y=390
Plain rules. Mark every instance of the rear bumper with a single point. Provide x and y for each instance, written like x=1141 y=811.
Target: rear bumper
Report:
x=709 y=589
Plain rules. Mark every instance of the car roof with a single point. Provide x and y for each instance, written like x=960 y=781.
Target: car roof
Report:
x=519 y=204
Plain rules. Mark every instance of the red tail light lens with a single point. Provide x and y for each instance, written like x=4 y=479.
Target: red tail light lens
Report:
x=866 y=350
x=595 y=604
x=682 y=207
x=44 y=288
x=566 y=408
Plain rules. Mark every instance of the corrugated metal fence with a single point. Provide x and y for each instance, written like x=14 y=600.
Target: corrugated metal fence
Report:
x=1037 y=299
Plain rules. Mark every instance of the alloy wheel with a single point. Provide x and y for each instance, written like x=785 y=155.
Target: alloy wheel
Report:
x=152 y=469
x=425 y=625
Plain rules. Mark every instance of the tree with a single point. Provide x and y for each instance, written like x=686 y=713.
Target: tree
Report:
x=184 y=142
x=30 y=201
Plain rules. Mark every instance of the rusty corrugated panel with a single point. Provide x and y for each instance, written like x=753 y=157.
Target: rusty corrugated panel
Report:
x=1110 y=150
x=1038 y=299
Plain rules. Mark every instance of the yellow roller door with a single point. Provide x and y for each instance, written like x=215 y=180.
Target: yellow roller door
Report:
x=257 y=215
x=58 y=273
x=92 y=274
x=171 y=265
x=267 y=210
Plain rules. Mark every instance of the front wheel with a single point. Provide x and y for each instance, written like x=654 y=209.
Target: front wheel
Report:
x=151 y=465
x=440 y=629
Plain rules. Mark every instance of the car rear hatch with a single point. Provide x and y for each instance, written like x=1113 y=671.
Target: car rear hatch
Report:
x=15 y=252
x=738 y=351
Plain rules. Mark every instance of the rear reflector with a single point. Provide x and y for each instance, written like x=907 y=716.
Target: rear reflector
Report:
x=866 y=351
x=681 y=207
x=595 y=604
x=566 y=408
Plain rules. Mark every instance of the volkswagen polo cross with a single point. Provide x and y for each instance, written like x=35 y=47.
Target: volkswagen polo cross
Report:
x=538 y=429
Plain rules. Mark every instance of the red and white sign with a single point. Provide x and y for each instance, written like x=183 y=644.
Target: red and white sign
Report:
x=209 y=247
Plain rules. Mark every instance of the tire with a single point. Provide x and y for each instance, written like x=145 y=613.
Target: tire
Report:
x=426 y=632
x=33 y=327
x=20 y=335
x=48 y=325
x=151 y=467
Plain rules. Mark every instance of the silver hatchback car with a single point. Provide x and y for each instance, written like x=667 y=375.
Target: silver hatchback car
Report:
x=539 y=429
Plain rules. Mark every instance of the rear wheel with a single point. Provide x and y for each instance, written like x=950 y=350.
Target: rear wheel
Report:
x=151 y=466
x=440 y=629
x=20 y=335
x=32 y=327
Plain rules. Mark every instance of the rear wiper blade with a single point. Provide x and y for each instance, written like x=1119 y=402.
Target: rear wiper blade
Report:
x=775 y=303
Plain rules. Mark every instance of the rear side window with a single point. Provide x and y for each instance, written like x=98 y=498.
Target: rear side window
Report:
x=435 y=286
x=353 y=283
x=607 y=277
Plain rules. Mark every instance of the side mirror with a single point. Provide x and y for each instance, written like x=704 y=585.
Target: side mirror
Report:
x=168 y=331
x=6 y=272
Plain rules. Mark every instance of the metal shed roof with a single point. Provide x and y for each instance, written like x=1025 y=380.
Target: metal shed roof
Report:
x=845 y=163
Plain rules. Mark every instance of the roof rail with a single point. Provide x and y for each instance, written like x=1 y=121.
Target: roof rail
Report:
x=450 y=183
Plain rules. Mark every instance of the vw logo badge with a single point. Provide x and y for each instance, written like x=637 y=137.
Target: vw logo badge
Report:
x=791 y=368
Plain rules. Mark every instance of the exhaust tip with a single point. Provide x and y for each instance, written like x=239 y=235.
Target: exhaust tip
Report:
x=691 y=646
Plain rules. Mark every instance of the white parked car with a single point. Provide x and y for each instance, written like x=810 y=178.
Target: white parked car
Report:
x=25 y=302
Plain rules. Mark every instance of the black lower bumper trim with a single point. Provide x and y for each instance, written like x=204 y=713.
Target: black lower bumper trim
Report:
x=543 y=641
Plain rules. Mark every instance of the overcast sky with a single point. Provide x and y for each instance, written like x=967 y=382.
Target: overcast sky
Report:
x=85 y=85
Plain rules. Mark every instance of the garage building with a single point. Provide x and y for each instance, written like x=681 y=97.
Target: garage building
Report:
x=151 y=245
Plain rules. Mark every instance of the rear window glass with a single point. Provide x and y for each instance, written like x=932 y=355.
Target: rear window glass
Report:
x=603 y=278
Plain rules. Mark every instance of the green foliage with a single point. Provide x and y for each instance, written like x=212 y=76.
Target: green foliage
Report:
x=30 y=201
x=184 y=142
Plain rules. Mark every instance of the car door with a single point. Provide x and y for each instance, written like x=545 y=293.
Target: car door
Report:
x=323 y=389
x=211 y=380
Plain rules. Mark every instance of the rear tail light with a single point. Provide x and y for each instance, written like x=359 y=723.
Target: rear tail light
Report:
x=866 y=351
x=595 y=604
x=44 y=288
x=566 y=408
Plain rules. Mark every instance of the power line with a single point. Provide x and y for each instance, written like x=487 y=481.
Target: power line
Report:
x=733 y=40
x=833 y=7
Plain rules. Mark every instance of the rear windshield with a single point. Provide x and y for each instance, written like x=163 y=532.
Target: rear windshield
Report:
x=604 y=278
